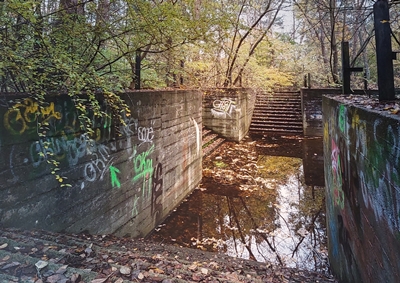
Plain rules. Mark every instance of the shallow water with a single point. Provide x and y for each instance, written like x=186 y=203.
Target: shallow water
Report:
x=271 y=216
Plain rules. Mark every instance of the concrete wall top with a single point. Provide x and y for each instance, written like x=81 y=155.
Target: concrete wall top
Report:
x=311 y=102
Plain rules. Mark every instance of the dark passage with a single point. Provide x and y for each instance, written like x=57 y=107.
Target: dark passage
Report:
x=261 y=199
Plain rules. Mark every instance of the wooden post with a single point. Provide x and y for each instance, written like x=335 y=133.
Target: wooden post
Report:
x=383 y=51
x=138 y=63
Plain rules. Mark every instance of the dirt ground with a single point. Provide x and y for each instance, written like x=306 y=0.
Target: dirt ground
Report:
x=39 y=256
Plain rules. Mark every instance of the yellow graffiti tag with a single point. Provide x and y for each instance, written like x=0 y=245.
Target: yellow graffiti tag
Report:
x=22 y=115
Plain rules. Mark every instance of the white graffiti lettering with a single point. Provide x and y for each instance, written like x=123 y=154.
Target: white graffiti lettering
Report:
x=223 y=108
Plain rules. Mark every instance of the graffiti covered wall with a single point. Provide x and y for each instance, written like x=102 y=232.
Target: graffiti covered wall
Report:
x=228 y=112
x=123 y=181
x=362 y=177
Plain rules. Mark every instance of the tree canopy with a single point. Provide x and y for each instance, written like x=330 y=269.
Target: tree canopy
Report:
x=93 y=45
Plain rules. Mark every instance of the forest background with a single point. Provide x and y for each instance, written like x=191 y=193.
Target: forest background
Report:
x=89 y=49
x=89 y=45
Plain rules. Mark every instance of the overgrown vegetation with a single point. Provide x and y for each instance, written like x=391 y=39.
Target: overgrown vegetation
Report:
x=88 y=49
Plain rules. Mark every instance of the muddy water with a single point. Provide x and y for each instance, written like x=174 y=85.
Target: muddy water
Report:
x=262 y=199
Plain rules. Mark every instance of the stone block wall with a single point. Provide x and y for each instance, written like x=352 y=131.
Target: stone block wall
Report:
x=124 y=184
x=362 y=177
x=228 y=112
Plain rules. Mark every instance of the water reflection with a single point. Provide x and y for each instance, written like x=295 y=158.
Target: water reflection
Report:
x=269 y=215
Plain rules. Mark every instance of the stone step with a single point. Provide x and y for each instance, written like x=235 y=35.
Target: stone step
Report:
x=276 y=126
x=281 y=119
x=207 y=151
x=277 y=103
x=267 y=107
x=209 y=137
x=288 y=124
x=211 y=141
x=277 y=131
x=279 y=98
x=282 y=98
x=277 y=110
x=277 y=113
x=295 y=95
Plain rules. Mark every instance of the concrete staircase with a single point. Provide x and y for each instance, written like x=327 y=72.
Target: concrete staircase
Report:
x=277 y=113
x=211 y=141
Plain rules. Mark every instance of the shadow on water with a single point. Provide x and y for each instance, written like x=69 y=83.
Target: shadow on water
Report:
x=262 y=199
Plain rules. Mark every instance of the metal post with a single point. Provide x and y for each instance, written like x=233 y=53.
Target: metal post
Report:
x=346 y=68
x=383 y=51
x=182 y=68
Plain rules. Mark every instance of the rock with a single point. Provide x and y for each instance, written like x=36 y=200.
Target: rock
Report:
x=204 y=271
x=125 y=270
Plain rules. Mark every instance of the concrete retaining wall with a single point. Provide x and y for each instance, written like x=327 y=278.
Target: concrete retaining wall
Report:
x=119 y=184
x=311 y=104
x=362 y=177
x=228 y=112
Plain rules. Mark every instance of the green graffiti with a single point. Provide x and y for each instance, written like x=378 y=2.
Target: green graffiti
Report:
x=342 y=118
x=114 y=178
x=143 y=167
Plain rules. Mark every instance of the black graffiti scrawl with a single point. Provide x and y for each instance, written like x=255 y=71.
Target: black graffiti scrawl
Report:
x=157 y=191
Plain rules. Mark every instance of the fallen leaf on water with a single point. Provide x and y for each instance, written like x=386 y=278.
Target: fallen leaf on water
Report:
x=3 y=246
